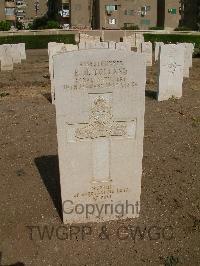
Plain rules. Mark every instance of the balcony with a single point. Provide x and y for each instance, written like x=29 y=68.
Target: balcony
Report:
x=10 y=4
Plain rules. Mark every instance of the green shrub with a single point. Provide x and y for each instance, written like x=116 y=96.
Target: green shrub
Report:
x=19 y=25
x=37 y=41
x=130 y=27
x=182 y=29
x=156 y=28
x=44 y=23
x=175 y=38
x=52 y=24
x=39 y=23
x=5 y=25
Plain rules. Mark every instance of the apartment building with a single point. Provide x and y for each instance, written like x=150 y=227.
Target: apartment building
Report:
x=169 y=13
x=81 y=13
x=27 y=10
x=119 y=14
x=7 y=10
x=97 y=14
x=22 y=10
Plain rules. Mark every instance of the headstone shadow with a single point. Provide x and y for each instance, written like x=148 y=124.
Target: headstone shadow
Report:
x=48 y=168
x=47 y=96
x=15 y=264
x=151 y=94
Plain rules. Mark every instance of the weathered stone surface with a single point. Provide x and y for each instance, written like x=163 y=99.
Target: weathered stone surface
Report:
x=146 y=48
x=53 y=48
x=123 y=46
x=188 y=54
x=15 y=53
x=157 y=49
x=112 y=45
x=139 y=39
x=171 y=66
x=6 y=58
x=100 y=103
x=22 y=50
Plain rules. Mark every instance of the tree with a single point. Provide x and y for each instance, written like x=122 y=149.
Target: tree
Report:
x=52 y=9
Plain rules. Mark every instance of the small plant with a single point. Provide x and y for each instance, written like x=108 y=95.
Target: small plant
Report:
x=130 y=27
x=196 y=121
x=4 y=94
x=182 y=29
x=19 y=25
x=171 y=261
x=52 y=24
x=156 y=28
x=5 y=25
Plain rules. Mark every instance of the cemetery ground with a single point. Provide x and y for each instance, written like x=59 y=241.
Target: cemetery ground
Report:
x=168 y=230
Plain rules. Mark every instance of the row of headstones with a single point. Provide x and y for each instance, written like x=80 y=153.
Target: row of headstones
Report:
x=170 y=75
x=174 y=61
x=11 y=54
x=100 y=105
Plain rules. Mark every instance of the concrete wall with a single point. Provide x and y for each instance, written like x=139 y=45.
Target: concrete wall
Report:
x=81 y=13
x=128 y=12
x=2 y=8
x=172 y=20
x=30 y=9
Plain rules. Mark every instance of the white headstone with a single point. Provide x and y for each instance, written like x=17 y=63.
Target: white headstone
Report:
x=130 y=40
x=191 y=45
x=123 y=46
x=171 y=64
x=22 y=51
x=101 y=45
x=57 y=49
x=146 y=48
x=86 y=37
x=187 y=59
x=157 y=49
x=112 y=45
x=6 y=58
x=139 y=39
x=100 y=104
x=15 y=53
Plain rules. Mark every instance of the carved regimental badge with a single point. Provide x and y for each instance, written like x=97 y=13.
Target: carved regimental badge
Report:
x=101 y=123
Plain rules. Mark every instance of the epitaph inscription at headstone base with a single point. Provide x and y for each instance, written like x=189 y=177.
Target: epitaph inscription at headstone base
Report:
x=100 y=104
x=171 y=64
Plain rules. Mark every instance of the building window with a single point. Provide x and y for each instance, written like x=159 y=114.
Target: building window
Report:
x=10 y=11
x=145 y=22
x=129 y=12
x=111 y=8
x=112 y=21
x=172 y=11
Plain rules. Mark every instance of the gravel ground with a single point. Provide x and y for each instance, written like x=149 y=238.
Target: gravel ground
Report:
x=168 y=230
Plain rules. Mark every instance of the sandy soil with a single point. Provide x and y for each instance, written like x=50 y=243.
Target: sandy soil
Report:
x=29 y=190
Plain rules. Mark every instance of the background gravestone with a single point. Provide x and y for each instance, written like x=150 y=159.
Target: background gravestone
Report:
x=157 y=49
x=146 y=48
x=6 y=58
x=100 y=103
x=171 y=64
